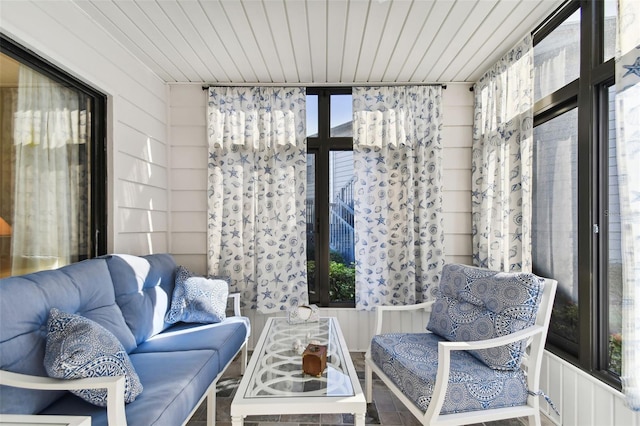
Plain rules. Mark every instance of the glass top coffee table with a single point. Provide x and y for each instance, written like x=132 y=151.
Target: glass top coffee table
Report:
x=274 y=382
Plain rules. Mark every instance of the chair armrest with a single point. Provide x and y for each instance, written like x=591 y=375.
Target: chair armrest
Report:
x=113 y=385
x=380 y=310
x=492 y=343
x=236 y=303
x=444 y=360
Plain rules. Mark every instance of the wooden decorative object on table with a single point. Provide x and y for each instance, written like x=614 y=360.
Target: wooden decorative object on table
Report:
x=314 y=359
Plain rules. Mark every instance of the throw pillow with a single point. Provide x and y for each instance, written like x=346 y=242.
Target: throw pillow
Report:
x=197 y=299
x=78 y=347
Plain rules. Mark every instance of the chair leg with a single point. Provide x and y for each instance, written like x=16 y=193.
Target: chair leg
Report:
x=368 y=385
x=535 y=419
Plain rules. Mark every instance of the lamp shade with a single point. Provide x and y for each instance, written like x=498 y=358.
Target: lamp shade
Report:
x=5 y=228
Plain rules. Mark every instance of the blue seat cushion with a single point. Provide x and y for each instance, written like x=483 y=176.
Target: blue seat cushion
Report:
x=479 y=304
x=225 y=337
x=173 y=384
x=410 y=360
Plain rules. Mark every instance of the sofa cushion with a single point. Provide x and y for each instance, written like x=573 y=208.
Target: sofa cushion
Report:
x=173 y=384
x=143 y=287
x=225 y=337
x=84 y=288
x=197 y=299
x=410 y=360
x=79 y=348
x=478 y=304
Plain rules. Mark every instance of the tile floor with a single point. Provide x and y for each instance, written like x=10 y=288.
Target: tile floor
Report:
x=385 y=409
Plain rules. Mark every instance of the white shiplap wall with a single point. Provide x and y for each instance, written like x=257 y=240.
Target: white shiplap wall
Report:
x=188 y=178
x=138 y=165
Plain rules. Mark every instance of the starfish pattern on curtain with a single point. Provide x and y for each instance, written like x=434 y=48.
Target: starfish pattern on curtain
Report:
x=399 y=236
x=628 y=158
x=501 y=164
x=256 y=193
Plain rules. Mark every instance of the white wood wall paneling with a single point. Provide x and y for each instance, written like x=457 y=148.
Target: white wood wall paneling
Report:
x=141 y=145
x=297 y=20
x=476 y=43
x=142 y=172
x=338 y=22
x=439 y=43
x=581 y=399
x=279 y=25
x=376 y=23
x=451 y=46
x=434 y=23
x=118 y=23
x=196 y=49
x=317 y=23
x=521 y=17
x=263 y=33
x=417 y=18
x=234 y=11
x=224 y=29
x=228 y=70
x=394 y=27
x=143 y=121
x=148 y=37
x=134 y=195
x=171 y=40
x=353 y=38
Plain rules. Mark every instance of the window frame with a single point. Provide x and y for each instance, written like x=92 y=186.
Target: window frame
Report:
x=321 y=146
x=588 y=93
x=98 y=154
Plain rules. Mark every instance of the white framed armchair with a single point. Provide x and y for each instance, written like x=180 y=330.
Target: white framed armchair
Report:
x=480 y=356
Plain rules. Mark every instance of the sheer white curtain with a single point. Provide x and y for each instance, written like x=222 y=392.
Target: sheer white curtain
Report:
x=256 y=190
x=502 y=162
x=628 y=157
x=399 y=236
x=50 y=216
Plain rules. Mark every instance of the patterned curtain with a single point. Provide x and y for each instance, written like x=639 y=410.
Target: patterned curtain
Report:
x=399 y=237
x=256 y=190
x=501 y=163
x=628 y=157
x=50 y=221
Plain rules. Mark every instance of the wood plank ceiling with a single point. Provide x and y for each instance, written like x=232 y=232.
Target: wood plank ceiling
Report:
x=318 y=42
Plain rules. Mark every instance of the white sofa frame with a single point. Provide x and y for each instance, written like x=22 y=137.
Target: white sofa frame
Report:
x=115 y=385
x=531 y=364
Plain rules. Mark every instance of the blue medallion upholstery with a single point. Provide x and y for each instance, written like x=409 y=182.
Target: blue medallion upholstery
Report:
x=479 y=359
x=479 y=304
x=410 y=360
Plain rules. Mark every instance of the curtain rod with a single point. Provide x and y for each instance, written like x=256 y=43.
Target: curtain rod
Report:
x=207 y=86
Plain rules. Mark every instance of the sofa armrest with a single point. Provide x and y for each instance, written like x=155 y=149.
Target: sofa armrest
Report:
x=236 y=303
x=380 y=310
x=113 y=385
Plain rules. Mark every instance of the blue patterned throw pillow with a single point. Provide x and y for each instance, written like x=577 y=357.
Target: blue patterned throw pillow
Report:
x=478 y=304
x=78 y=347
x=197 y=299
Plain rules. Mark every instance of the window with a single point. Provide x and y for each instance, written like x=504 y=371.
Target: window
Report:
x=576 y=227
x=330 y=244
x=52 y=165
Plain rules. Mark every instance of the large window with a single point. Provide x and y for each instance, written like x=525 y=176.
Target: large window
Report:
x=330 y=254
x=52 y=165
x=576 y=227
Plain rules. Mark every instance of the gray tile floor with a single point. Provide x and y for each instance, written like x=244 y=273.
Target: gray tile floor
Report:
x=385 y=409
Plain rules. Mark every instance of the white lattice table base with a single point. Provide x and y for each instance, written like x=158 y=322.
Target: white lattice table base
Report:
x=275 y=384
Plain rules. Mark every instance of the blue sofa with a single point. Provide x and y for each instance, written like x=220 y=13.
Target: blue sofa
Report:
x=178 y=364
